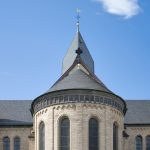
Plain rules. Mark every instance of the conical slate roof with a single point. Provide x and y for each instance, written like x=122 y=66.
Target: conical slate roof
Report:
x=75 y=77
x=78 y=79
x=71 y=55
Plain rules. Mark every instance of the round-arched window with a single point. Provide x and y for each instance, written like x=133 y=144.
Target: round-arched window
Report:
x=148 y=142
x=42 y=136
x=115 y=136
x=64 y=134
x=93 y=134
x=138 y=141
x=6 y=143
x=16 y=143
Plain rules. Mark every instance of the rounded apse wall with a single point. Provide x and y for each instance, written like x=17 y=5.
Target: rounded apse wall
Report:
x=79 y=106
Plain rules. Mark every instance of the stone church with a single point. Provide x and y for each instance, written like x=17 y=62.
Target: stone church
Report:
x=77 y=113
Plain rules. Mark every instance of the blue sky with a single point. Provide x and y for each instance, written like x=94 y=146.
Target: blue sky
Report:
x=35 y=35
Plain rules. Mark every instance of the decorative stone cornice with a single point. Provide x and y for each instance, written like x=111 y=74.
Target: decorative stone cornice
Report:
x=140 y=128
x=93 y=106
x=41 y=112
x=63 y=107
x=78 y=96
x=116 y=111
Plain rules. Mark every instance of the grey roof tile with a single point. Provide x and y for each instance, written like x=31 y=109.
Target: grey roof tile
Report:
x=138 y=112
x=15 y=112
x=78 y=80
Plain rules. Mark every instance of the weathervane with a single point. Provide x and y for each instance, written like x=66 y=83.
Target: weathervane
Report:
x=78 y=19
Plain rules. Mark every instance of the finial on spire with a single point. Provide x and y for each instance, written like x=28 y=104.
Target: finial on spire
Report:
x=78 y=19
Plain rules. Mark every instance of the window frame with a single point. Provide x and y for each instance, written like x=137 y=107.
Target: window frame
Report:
x=17 y=137
x=90 y=129
x=41 y=132
x=60 y=133
x=147 y=144
x=115 y=136
x=138 y=136
x=5 y=148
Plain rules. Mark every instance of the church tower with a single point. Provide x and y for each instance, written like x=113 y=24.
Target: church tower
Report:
x=78 y=112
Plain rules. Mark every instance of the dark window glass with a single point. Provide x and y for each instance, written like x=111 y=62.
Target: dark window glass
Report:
x=86 y=98
x=138 y=143
x=71 y=98
x=115 y=136
x=81 y=98
x=93 y=134
x=76 y=97
x=97 y=99
x=65 y=134
x=6 y=143
x=113 y=103
x=42 y=136
x=148 y=142
x=109 y=101
x=60 y=99
x=17 y=143
x=101 y=100
x=66 y=98
x=105 y=100
x=91 y=98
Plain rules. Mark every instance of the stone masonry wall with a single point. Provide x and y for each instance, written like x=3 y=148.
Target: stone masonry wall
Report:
x=129 y=143
x=79 y=115
x=12 y=132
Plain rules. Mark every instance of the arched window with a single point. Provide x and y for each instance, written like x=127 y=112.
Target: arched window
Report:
x=93 y=134
x=65 y=134
x=42 y=136
x=138 y=141
x=115 y=136
x=148 y=142
x=16 y=143
x=6 y=143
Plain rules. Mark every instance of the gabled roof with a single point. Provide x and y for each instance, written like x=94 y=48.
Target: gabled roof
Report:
x=138 y=112
x=71 y=55
x=15 y=113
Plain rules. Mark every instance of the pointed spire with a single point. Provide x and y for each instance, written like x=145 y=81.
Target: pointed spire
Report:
x=78 y=48
x=78 y=19
x=85 y=56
